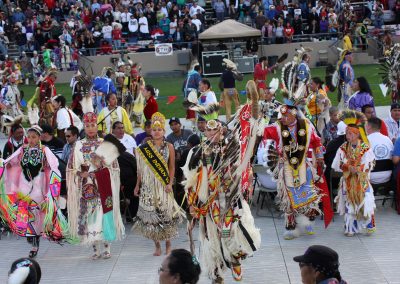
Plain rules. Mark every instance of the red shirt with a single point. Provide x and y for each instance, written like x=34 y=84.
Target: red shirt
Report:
x=289 y=31
x=384 y=130
x=260 y=75
x=150 y=108
x=116 y=34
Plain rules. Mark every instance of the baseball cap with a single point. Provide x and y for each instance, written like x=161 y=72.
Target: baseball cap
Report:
x=318 y=255
x=174 y=119
x=341 y=128
x=394 y=106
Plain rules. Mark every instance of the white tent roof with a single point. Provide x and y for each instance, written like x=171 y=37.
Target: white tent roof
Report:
x=229 y=29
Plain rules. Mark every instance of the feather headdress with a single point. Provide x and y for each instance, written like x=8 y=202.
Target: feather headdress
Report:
x=295 y=91
x=357 y=120
x=391 y=67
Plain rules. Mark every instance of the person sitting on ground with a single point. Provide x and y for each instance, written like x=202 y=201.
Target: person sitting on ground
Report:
x=319 y=265
x=179 y=267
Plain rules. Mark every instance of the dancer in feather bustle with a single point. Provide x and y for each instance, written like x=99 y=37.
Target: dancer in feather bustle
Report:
x=391 y=71
x=356 y=160
x=297 y=177
x=218 y=185
x=30 y=189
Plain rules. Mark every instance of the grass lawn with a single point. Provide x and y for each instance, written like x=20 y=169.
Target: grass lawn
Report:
x=172 y=87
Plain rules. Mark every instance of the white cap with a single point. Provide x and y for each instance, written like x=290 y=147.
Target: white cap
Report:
x=341 y=128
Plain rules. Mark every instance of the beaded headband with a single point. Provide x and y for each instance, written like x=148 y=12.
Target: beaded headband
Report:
x=158 y=120
x=37 y=129
x=89 y=117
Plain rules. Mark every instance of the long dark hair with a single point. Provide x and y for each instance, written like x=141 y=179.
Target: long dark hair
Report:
x=364 y=85
x=318 y=81
x=61 y=100
x=150 y=88
x=182 y=262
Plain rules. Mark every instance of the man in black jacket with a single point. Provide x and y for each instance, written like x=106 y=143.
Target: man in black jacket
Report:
x=128 y=175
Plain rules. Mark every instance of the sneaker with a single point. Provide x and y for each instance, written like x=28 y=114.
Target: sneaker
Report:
x=96 y=256
x=289 y=235
x=310 y=230
x=349 y=234
x=106 y=255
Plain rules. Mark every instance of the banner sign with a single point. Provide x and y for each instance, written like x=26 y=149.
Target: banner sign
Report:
x=163 y=49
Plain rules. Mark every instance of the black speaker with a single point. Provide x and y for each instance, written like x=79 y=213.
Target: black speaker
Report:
x=212 y=62
x=245 y=64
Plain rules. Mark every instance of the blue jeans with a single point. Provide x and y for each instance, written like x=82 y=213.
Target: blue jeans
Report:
x=117 y=43
x=220 y=16
x=21 y=48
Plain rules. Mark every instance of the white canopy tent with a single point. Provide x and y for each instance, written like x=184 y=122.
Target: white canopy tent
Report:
x=229 y=29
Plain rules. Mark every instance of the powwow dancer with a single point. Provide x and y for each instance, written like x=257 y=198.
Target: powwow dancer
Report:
x=391 y=71
x=11 y=98
x=356 y=160
x=218 y=185
x=301 y=184
x=30 y=188
x=344 y=77
x=159 y=214
x=93 y=191
x=47 y=91
x=103 y=86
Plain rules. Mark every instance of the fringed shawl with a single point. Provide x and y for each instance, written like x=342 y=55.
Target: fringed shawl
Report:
x=74 y=185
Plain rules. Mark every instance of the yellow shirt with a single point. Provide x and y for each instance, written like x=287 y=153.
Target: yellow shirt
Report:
x=347 y=45
x=313 y=105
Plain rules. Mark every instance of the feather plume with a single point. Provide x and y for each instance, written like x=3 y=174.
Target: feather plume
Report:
x=283 y=57
x=33 y=115
x=329 y=77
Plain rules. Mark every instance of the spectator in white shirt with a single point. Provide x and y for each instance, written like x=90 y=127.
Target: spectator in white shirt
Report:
x=143 y=27
x=117 y=15
x=106 y=31
x=64 y=117
x=133 y=27
x=383 y=149
x=196 y=22
x=195 y=9
x=207 y=96
x=118 y=130
x=393 y=122
x=125 y=17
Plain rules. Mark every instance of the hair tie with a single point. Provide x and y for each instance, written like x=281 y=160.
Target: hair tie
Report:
x=195 y=260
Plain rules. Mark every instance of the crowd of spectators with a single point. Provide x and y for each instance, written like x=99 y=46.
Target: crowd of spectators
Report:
x=67 y=28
